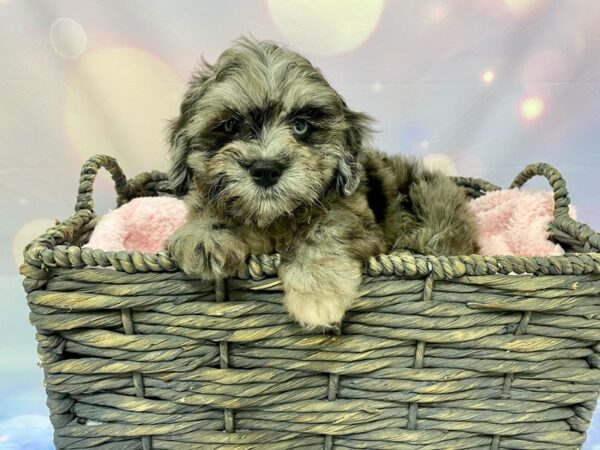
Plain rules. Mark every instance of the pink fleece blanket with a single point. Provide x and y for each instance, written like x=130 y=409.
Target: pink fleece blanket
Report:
x=143 y=224
x=511 y=222
x=515 y=222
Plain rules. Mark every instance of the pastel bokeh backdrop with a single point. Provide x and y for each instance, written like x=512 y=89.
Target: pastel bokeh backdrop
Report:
x=479 y=88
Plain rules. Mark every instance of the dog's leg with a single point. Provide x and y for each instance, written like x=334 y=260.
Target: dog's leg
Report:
x=205 y=249
x=322 y=275
x=319 y=286
x=445 y=223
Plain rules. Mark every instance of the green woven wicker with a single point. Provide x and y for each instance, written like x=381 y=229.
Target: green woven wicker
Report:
x=438 y=353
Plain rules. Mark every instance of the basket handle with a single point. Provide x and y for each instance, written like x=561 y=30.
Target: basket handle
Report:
x=557 y=182
x=88 y=176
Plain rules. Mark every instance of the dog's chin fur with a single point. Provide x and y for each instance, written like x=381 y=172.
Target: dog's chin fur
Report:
x=260 y=210
x=334 y=204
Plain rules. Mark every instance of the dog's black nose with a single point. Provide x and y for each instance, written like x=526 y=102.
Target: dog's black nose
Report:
x=266 y=172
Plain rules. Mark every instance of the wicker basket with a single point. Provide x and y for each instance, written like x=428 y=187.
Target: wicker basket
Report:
x=438 y=353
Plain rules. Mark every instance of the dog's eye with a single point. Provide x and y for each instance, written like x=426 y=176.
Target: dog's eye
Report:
x=300 y=127
x=230 y=126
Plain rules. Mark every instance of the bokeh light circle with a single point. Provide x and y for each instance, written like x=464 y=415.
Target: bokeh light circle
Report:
x=524 y=8
x=438 y=12
x=488 y=76
x=26 y=234
x=440 y=162
x=119 y=101
x=68 y=38
x=531 y=108
x=326 y=27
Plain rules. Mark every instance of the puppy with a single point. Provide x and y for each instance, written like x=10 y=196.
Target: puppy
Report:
x=275 y=161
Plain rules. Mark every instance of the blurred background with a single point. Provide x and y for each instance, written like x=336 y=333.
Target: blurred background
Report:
x=478 y=88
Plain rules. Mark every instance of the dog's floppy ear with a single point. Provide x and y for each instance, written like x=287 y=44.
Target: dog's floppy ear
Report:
x=356 y=133
x=180 y=174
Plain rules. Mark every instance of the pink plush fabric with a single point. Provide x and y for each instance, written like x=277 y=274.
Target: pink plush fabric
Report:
x=511 y=222
x=143 y=224
x=515 y=222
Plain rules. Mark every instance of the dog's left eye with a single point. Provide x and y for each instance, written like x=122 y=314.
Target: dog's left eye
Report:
x=300 y=127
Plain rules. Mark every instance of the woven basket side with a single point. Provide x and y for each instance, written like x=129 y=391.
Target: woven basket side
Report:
x=475 y=362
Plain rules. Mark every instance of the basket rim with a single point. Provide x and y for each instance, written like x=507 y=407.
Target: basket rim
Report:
x=53 y=250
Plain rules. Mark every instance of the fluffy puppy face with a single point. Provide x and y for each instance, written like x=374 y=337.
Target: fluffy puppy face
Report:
x=261 y=133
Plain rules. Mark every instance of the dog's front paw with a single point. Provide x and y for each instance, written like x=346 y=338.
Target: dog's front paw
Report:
x=317 y=292
x=207 y=255
x=316 y=309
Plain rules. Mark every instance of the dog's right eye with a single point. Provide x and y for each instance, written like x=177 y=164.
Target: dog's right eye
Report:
x=300 y=127
x=230 y=126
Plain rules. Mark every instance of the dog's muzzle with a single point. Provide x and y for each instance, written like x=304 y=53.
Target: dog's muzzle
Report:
x=266 y=172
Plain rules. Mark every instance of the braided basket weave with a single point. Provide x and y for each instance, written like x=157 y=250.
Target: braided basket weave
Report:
x=438 y=352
